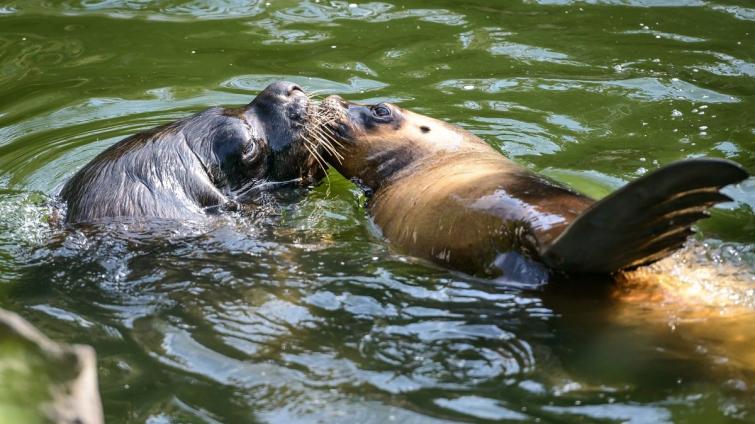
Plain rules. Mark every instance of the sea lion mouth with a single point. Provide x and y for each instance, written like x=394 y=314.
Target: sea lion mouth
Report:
x=321 y=129
x=332 y=114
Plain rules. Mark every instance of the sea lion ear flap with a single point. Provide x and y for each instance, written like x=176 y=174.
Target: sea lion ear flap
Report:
x=644 y=221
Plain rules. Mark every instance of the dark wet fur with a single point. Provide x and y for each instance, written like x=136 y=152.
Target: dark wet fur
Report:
x=208 y=161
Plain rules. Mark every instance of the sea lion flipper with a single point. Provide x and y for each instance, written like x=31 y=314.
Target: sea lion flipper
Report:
x=645 y=220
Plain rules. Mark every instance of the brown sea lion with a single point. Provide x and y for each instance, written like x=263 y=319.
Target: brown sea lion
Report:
x=218 y=158
x=441 y=193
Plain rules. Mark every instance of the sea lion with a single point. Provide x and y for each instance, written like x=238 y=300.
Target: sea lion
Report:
x=441 y=193
x=215 y=159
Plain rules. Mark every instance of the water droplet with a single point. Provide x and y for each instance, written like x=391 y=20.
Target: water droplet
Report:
x=469 y=87
x=676 y=113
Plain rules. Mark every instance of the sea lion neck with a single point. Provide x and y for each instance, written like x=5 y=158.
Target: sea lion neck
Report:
x=384 y=166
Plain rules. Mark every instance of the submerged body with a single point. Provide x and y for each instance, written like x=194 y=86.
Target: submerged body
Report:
x=441 y=193
x=218 y=158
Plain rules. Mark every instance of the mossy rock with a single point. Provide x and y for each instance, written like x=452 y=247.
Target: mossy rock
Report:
x=42 y=381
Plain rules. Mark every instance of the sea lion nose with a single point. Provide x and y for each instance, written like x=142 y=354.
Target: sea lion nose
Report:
x=284 y=88
x=336 y=100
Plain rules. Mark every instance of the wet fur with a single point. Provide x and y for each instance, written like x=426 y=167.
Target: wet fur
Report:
x=214 y=159
x=442 y=193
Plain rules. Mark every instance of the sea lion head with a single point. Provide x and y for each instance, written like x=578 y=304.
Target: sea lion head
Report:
x=279 y=115
x=372 y=144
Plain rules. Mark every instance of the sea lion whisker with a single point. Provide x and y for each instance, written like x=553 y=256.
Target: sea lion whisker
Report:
x=325 y=122
x=313 y=150
x=328 y=144
x=330 y=136
x=329 y=147
x=322 y=117
x=320 y=161
x=327 y=138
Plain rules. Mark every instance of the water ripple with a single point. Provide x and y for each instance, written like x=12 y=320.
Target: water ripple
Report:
x=161 y=10
x=479 y=407
x=309 y=12
x=297 y=310
x=646 y=88
x=254 y=83
x=739 y=12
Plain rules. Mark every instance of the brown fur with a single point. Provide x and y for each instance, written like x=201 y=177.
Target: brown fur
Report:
x=443 y=194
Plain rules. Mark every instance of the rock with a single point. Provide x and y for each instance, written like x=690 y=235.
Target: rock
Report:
x=42 y=381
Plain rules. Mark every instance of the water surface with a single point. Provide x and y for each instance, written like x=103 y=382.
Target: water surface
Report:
x=300 y=312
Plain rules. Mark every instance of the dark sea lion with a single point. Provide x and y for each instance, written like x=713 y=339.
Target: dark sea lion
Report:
x=214 y=159
x=441 y=193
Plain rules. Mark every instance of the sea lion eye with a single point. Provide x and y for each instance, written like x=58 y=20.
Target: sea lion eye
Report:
x=381 y=111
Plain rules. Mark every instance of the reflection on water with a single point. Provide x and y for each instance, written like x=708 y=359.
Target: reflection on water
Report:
x=302 y=321
x=297 y=310
x=703 y=293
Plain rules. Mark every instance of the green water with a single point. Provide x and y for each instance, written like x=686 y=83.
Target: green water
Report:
x=301 y=312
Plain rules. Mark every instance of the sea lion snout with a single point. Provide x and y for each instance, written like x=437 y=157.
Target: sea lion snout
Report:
x=334 y=101
x=282 y=88
x=350 y=119
x=285 y=98
x=333 y=116
x=282 y=108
